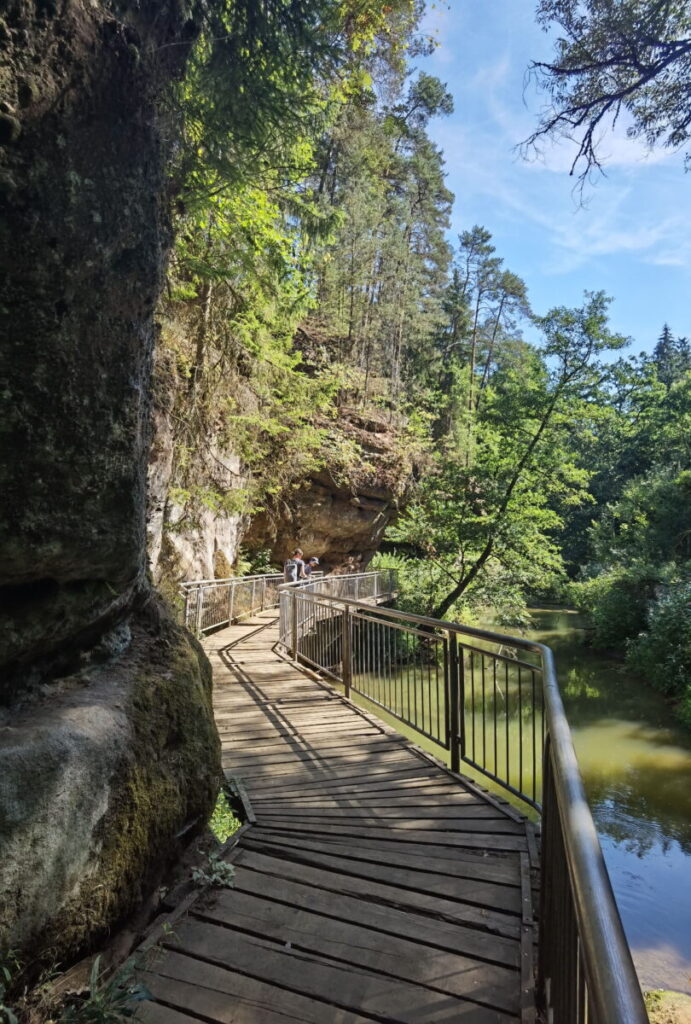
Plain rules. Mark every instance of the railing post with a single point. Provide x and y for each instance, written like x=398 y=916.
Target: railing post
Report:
x=546 y=898
x=294 y=624
x=199 y=609
x=185 y=613
x=455 y=671
x=263 y=602
x=231 y=599
x=346 y=652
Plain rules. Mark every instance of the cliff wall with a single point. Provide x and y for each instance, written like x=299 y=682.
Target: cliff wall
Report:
x=340 y=515
x=107 y=744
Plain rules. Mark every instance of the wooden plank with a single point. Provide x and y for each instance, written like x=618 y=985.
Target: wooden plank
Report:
x=154 y=1013
x=457 y=975
x=334 y=713
x=259 y=994
x=407 y=900
x=509 y=843
x=229 y=998
x=458 y=822
x=527 y=937
x=470 y=888
x=310 y=893
x=281 y=716
x=467 y=864
x=428 y=796
x=388 y=787
x=384 y=755
x=353 y=773
x=336 y=771
x=285 y=731
x=349 y=985
x=298 y=747
x=264 y=718
x=354 y=808
x=346 y=781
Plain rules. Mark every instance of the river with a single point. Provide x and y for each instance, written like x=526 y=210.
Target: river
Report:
x=636 y=765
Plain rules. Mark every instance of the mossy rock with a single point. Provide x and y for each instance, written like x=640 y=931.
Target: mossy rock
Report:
x=98 y=787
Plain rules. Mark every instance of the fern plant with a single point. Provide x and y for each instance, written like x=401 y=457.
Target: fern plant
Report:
x=108 y=1003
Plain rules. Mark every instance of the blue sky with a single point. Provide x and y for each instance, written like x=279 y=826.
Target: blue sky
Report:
x=632 y=239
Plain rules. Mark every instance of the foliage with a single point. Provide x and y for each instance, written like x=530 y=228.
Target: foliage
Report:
x=616 y=602
x=312 y=273
x=269 y=192
x=108 y=1002
x=255 y=563
x=8 y=967
x=491 y=509
x=216 y=871
x=616 y=60
x=662 y=652
x=224 y=821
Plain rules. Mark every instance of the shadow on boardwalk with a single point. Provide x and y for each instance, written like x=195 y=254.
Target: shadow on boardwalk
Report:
x=372 y=885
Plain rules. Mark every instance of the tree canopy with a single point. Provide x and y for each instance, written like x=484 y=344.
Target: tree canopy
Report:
x=625 y=61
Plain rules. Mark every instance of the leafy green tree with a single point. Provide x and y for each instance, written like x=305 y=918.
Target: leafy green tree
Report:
x=381 y=275
x=502 y=507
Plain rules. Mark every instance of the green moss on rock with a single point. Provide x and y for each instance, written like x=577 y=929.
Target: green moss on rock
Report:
x=137 y=789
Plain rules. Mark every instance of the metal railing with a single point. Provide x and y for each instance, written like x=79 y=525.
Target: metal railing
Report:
x=491 y=701
x=210 y=604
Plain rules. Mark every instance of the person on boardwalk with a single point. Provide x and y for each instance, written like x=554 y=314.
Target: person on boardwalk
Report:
x=294 y=567
x=312 y=564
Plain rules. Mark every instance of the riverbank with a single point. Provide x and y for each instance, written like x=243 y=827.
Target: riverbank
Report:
x=668 y=1007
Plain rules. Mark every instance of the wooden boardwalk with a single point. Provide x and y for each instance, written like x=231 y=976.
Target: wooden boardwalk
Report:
x=372 y=884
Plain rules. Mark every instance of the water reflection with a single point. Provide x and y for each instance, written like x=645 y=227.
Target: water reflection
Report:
x=636 y=765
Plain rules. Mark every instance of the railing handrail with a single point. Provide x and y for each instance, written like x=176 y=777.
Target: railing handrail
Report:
x=424 y=620
x=613 y=987
x=332 y=577
x=615 y=994
x=232 y=579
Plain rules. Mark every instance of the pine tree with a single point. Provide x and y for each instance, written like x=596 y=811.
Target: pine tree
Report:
x=672 y=357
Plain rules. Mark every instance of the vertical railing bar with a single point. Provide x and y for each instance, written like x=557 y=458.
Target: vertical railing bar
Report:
x=533 y=716
x=410 y=655
x=494 y=714
x=484 y=717
x=294 y=624
x=520 y=729
x=472 y=700
x=506 y=720
x=456 y=718
x=445 y=688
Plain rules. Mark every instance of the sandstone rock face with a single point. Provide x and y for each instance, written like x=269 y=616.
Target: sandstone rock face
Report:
x=82 y=252
x=98 y=776
x=341 y=523
x=107 y=746
x=184 y=547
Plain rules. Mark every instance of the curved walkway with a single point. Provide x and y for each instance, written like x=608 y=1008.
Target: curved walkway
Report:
x=370 y=885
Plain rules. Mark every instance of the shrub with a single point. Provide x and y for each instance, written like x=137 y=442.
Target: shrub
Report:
x=662 y=652
x=616 y=602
